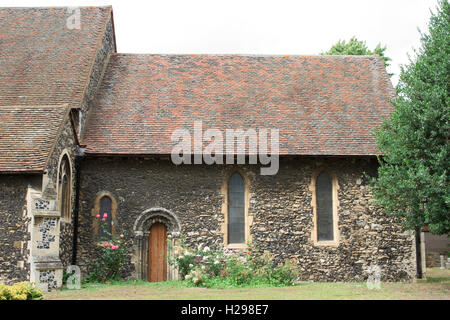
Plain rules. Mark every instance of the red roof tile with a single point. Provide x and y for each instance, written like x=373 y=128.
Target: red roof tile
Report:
x=27 y=135
x=322 y=105
x=42 y=61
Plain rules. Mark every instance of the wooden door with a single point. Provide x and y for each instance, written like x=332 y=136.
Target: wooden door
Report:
x=157 y=252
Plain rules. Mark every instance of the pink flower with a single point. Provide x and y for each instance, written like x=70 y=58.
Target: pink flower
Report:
x=97 y=216
x=105 y=215
x=103 y=219
x=121 y=236
x=248 y=252
x=106 y=245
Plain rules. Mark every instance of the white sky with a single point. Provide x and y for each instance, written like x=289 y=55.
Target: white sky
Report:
x=302 y=27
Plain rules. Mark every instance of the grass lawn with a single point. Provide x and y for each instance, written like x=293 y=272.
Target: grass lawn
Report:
x=437 y=286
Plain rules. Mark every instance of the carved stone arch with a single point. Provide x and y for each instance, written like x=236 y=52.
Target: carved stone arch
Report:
x=141 y=230
x=150 y=216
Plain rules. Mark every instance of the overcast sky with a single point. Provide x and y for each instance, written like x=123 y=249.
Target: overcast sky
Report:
x=302 y=27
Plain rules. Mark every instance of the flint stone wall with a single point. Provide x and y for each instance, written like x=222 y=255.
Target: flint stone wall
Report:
x=14 y=234
x=280 y=206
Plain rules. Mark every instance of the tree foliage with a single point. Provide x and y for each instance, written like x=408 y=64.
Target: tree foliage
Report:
x=359 y=48
x=413 y=177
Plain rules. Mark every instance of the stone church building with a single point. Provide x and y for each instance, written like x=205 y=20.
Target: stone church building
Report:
x=86 y=130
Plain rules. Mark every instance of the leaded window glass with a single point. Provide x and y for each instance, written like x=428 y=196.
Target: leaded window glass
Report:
x=105 y=209
x=64 y=188
x=236 y=209
x=324 y=198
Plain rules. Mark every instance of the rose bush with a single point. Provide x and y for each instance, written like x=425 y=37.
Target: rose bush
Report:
x=111 y=255
x=203 y=266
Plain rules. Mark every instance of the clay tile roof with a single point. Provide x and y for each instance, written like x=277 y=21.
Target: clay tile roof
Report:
x=42 y=61
x=27 y=135
x=322 y=105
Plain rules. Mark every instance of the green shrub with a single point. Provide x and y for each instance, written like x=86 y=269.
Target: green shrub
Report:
x=20 y=291
x=227 y=268
x=111 y=256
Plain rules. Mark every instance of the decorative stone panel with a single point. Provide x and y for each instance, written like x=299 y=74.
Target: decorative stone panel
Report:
x=45 y=229
x=40 y=204
x=48 y=277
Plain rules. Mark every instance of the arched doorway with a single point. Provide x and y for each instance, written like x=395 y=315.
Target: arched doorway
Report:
x=157 y=253
x=154 y=229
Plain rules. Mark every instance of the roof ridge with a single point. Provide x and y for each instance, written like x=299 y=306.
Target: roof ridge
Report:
x=36 y=106
x=242 y=55
x=58 y=7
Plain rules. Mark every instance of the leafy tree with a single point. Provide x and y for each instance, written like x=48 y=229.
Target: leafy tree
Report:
x=359 y=48
x=413 y=177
